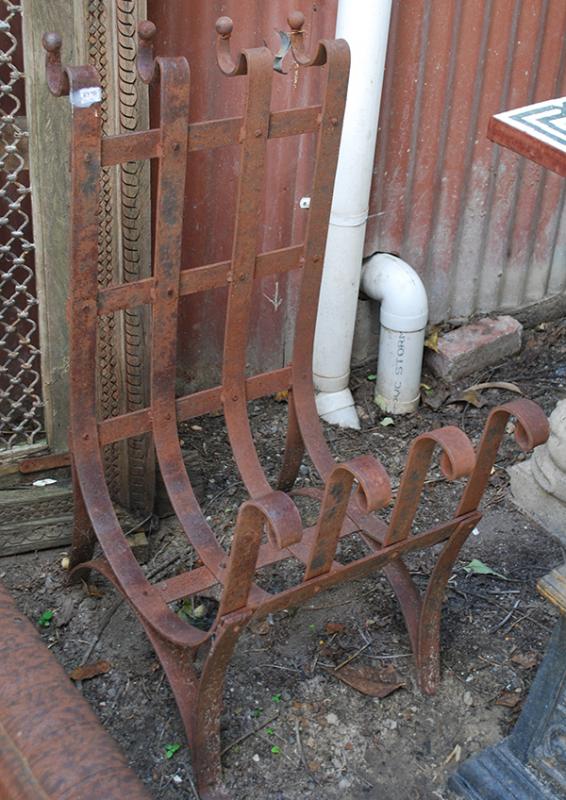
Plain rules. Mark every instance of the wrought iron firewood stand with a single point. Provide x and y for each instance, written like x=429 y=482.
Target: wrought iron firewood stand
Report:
x=352 y=490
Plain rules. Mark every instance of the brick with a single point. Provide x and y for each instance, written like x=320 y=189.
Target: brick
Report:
x=471 y=347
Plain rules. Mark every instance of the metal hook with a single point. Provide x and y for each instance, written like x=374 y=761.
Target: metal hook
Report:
x=224 y=27
x=296 y=20
x=295 y=41
x=146 y=62
x=57 y=78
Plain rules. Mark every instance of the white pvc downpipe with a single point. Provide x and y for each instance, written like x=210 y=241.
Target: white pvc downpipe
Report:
x=403 y=315
x=365 y=26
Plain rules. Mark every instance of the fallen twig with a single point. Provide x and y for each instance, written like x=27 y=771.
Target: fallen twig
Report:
x=301 y=750
x=527 y=618
x=157 y=569
x=278 y=666
x=392 y=656
x=193 y=787
x=138 y=525
x=465 y=592
x=330 y=605
x=353 y=656
x=110 y=613
x=103 y=625
x=248 y=734
x=506 y=618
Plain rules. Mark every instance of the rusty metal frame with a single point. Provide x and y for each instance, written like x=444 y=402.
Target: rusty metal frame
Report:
x=352 y=490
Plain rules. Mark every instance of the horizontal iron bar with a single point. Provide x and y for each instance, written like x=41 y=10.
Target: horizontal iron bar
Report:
x=197 y=279
x=135 y=423
x=361 y=567
x=201 y=579
x=141 y=145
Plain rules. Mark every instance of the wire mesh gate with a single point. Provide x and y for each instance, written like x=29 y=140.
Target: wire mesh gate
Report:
x=21 y=407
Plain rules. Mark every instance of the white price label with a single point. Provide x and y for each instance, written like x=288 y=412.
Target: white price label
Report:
x=83 y=98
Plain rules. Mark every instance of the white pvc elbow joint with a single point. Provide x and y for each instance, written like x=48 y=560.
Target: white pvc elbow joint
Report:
x=403 y=317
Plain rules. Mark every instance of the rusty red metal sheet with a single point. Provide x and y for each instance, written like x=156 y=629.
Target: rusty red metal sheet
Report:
x=52 y=746
x=481 y=226
x=352 y=491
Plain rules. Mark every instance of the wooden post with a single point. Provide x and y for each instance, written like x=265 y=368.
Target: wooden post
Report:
x=103 y=33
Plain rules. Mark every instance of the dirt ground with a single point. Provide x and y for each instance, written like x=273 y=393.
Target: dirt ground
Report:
x=291 y=729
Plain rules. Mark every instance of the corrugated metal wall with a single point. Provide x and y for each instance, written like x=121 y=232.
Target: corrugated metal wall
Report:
x=186 y=27
x=485 y=229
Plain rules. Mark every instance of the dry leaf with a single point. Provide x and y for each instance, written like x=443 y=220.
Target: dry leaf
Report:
x=503 y=385
x=431 y=340
x=437 y=397
x=88 y=671
x=371 y=681
x=262 y=628
x=525 y=660
x=91 y=590
x=65 y=613
x=472 y=394
x=455 y=755
x=281 y=397
x=468 y=396
x=508 y=699
x=334 y=627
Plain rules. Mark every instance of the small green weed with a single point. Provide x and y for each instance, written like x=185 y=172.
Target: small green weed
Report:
x=45 y=618
x=171 y=749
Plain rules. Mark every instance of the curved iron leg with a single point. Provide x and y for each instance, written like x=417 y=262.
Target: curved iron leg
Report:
x=177 y=663
x=206 y=743
x=294 y=449
x=408 y=597
x=84 y=538
x=400 y=580
x=428 y=659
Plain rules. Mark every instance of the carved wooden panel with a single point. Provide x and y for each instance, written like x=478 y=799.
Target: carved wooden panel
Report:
x=35 y=518
x=102 y=32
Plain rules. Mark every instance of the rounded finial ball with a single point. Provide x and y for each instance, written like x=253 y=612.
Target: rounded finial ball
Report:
x=224 y=26
x=146 y=30
x=296 y=20
x=52 y=42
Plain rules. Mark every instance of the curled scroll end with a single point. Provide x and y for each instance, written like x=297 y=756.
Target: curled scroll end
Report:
x=460 y=466
x=374 y=486
x=281 y=517
x=458 y=457
x=146 y=61
x=57 y=79
x=224 y=27
x=457 y=454
x=531 y=427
